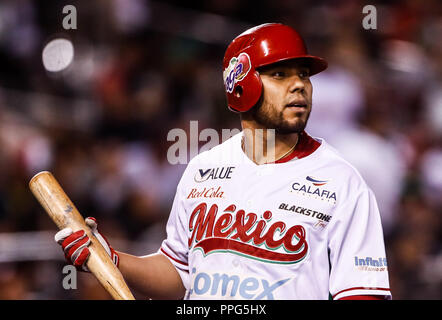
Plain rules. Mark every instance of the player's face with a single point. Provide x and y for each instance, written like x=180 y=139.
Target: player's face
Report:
x=287 y=97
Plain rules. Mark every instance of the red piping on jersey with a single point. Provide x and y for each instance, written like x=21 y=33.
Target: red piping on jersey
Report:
x=361 y=297
x=305 y=147
x=176 y=260
x=360 y=288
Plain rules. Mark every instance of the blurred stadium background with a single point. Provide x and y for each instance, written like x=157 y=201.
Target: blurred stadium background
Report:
x=142 y=68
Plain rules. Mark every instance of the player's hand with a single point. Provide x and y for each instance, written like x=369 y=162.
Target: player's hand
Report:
x=75 y=245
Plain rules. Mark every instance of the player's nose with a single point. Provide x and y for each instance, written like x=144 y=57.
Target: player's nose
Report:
x=296 y=83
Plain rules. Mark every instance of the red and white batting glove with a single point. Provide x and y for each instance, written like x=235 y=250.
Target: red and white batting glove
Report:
x=75 y=245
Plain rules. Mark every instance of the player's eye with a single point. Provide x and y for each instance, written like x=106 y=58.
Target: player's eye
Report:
x=279 y=74
x=304 y=74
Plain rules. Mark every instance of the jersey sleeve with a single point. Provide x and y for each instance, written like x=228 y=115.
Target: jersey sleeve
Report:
x=356 y=249
x=175 y=246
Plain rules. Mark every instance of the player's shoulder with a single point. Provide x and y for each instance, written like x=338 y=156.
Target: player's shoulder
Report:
x=339 y=166
x=222 y=155
x=227 y=152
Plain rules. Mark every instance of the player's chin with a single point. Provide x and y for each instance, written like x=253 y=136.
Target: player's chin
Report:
x=296 y=120
x=289 y=127
x=295 y=117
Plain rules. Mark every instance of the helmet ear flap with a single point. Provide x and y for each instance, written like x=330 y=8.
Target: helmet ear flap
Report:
x=238 y=91
x=246 y=93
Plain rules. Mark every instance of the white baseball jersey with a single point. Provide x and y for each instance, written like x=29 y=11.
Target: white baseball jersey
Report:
x=307 y=227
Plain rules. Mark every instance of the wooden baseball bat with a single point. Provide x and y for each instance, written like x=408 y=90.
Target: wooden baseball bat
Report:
x=63 y=212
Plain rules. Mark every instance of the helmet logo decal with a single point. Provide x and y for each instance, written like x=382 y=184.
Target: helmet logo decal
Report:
x=236 y=71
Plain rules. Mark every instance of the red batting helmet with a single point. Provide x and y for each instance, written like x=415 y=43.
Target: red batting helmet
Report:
x=260 y=46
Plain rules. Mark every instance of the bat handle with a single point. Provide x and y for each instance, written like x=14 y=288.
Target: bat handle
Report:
x=63 y=212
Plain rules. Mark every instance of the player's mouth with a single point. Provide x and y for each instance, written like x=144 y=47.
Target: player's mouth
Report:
x=300 y=104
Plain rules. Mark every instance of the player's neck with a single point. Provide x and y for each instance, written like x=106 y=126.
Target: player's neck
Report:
x=262 y=145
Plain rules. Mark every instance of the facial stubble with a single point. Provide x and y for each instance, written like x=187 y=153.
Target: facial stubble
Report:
x=269 y=117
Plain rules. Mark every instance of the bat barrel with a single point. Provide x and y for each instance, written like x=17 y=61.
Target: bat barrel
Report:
x=63 y=212
x=54 y=200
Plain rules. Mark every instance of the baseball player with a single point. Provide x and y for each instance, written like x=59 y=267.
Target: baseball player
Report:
x=271 y=213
